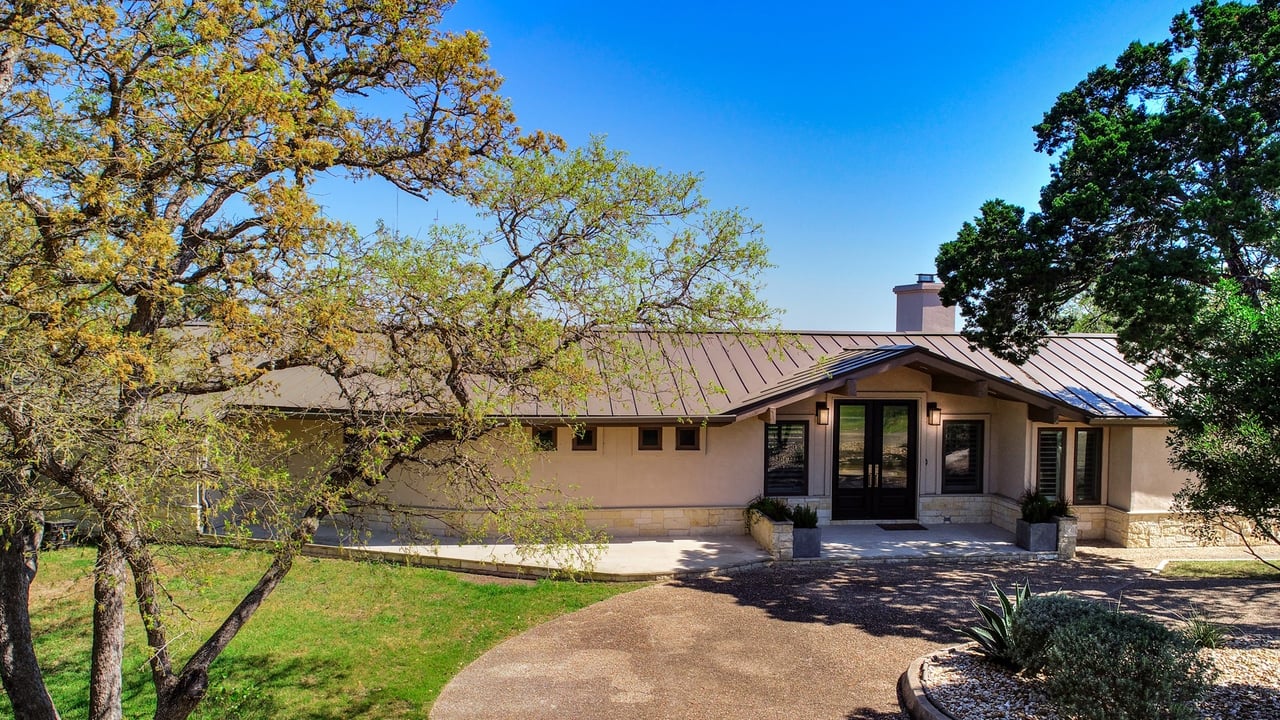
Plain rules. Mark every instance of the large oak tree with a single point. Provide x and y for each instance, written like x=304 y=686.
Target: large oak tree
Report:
x=162 y=253
x=1163 y=209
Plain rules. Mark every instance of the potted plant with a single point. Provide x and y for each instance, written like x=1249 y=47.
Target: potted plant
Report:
x=806 y=537
x=1037 y=530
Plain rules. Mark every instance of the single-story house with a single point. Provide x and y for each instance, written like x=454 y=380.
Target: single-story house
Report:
x=868 y=426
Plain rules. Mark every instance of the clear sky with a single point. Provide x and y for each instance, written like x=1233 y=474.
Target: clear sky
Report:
x=861 y=135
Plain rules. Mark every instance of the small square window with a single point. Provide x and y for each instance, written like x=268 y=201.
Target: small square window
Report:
x=650 y=438
x=544 y=439
x=686 y=438
x=584 y=438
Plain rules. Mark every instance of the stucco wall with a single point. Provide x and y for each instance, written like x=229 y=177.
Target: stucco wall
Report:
x=1153 y=481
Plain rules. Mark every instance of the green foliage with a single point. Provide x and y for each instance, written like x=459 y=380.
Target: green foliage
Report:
x=1037 y=618
x=1122 y=666
x=1163 y=213
x=1202 y=631
x=804 y=516
x=773 y=508
x=1037 y=508
x=995 y=635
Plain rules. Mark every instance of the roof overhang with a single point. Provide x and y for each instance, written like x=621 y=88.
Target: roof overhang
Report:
x=956 y=377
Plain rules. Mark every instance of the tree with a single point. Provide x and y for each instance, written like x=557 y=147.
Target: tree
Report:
x=162 y=254
x=1164 y=207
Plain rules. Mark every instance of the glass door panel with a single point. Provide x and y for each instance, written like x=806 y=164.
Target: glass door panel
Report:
x=874 y=464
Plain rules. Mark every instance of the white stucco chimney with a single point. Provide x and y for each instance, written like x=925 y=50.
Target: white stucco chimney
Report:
x=920 y=310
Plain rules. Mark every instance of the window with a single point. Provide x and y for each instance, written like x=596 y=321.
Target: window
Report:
x=962 y=453
x=650 y=438
x=584 y=438
x=786 y=458
x=544 y=439
x=687 y=438
x=1051 y=461
x=1088 y=467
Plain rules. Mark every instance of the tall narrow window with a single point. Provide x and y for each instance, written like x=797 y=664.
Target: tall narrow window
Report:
x=962 y=454
x=1088 y=467
x=1051 y=461
x=786 y=458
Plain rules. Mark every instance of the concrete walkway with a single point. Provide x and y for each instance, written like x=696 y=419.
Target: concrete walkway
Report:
x=668 y=558
x=792 y=640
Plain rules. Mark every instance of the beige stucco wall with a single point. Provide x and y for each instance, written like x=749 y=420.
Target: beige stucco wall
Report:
x=1153 y=481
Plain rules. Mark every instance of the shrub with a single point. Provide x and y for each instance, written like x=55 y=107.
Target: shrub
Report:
x=1121 y=666
x=804 y=516
x=1036 y=508
x=1038 y=617
x=772 y=508
x=1202 y=631
x=994 y=634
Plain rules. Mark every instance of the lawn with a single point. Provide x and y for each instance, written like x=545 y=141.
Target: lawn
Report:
x=337 y=639
x=1219 y=569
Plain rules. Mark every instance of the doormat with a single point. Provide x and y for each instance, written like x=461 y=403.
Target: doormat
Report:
x=901 y=526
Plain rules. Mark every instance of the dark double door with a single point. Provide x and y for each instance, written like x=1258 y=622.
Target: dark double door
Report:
x=875 y=460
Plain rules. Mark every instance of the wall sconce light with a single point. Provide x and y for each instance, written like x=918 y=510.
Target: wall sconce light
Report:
x=934 y=413
x=824 y=415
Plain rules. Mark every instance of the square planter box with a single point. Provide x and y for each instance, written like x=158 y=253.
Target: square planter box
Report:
x=1037 y=537
x=806 y=542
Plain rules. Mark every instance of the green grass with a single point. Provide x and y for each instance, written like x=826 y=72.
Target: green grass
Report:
x=1219 y=569
x=337 y=639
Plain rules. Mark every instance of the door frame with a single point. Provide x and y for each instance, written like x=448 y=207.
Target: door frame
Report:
x=914 y=434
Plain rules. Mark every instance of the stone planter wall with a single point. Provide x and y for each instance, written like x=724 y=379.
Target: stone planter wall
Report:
x=1068 y=530
x=774 y=536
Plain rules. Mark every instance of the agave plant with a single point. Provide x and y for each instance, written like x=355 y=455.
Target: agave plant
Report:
x=994 y=635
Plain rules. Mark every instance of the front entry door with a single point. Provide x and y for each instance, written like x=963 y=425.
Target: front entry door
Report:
x=875 y=463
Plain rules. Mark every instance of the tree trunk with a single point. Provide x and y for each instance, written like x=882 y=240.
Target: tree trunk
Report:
x=19 y=669
x=108 y=632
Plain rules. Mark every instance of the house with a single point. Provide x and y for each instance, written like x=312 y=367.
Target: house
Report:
x=908 y=425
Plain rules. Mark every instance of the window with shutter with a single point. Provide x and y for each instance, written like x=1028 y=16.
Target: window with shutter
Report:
x=962 y=454
x=1051 y=461
x=786 y=458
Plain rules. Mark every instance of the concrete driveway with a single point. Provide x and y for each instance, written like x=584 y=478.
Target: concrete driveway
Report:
x=813 y=641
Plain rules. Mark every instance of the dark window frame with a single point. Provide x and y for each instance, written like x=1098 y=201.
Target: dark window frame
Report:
x=586 y=439
x=540 y=441
x=1094 y=482
x=640 y=444
x=697 y=438
x=981 y=460
x=804 y=483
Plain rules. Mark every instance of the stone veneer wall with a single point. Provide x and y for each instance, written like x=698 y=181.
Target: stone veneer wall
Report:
x=668 y=522
x=775 y=536
x=1155 y=530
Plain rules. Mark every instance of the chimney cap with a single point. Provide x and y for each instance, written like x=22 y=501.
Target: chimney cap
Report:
x=924 y=277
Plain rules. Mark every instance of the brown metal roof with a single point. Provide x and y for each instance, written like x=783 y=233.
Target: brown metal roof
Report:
x=724 y=376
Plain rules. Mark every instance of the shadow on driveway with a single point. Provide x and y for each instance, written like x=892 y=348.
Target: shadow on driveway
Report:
x=815 y=641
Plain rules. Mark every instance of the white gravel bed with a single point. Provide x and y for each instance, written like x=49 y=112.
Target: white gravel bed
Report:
x=963 y=683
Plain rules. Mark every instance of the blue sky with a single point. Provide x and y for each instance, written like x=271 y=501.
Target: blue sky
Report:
x=860 y=135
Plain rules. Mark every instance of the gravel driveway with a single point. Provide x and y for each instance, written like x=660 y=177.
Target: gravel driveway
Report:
x=808 y=641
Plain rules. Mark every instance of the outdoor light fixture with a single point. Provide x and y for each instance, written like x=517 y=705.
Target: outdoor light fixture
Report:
x=824 y=415
x=934 y=412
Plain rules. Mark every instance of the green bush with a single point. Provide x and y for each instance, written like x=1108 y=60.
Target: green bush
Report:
x=804 y=516
x=772 y=508
x=1121 y=666
x=994 y=635
x=1038 y=617
x=1202 y=631
x=1036 y=508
